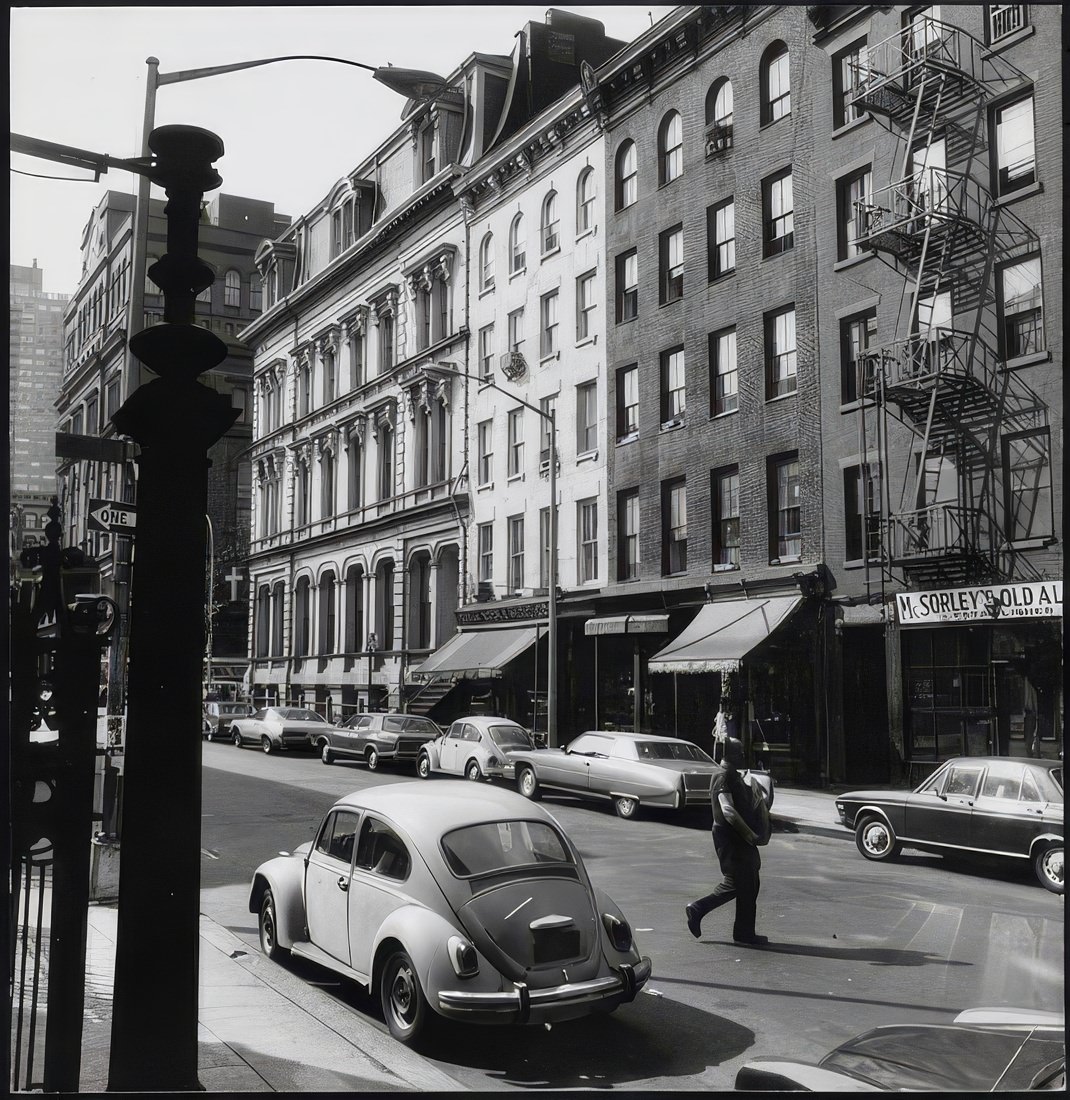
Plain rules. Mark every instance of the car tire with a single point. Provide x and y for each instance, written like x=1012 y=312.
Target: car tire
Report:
x=235 y=737
x=268 y=924
x=371 y=758
x=265 y=744
x=209 y=733
x=325 y=752
x=528 y=784
x=405 y=1007
x=1048 y=865
x=876 y=839
x=473 y=771
x=423 y=766
x=626 y=807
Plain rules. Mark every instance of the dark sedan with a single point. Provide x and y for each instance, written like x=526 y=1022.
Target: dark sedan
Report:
x=377 y=738
x=972 y=805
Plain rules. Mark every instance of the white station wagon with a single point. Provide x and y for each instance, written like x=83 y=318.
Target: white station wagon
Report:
x=467 y=902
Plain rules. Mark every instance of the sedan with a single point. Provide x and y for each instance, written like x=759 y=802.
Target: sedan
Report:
x=479 y=747
x=279 y=728
x=463 y=902
x=981 y=1050
x=218 y=717
x=630 y=769
x=971 y=805
x=377 y=738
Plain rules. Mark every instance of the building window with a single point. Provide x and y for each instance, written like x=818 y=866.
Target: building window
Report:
x=862 y=512
x=518 y=255
x=386 y=342
x=356 y=472
x=721 y=238
x=342 y=228
x=232 y=288
x=515 y=528
x=724 y=497
x=585 y=202
x=1004 y=20
x=724 y=378
x=278 y=602
x=776 y=84
x=1022 y=307
x=516 y=329
x=627 y=286
x=304 y=388
x=1027 y=486
x=486 y=263
x=485 y=443
x=330 y=375
x=547 y=406
x=545 y=543
x=303 y=494
x=671 y=264
x=780 y=364
x=326 y=485
x=302 y=618
x=852 y=193
x=386 y=462
x=426 y=145
x=205 y=296
x=674 y=526
x=785 y=531
x=384 y=599
x=112 y=398
x=263 y=621
x=586 y=418
x=670 y=148
x=850 y=71
x=627 y=402
x=1016 y=153
x=328 y=608
x=548 y=325
x=673 y=388
x=585 y=306
x=858 y=335
x=354 y=619
x=627 y=176
x=485 y=542
x=548 y=233
x=587 y=539
x=515 y=463
x=778 y=208
x=256 y=294
x=719 y=118
x=486 y=351
x=628 y=535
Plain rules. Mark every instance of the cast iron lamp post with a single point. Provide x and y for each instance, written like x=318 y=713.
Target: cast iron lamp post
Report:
x=372 y=645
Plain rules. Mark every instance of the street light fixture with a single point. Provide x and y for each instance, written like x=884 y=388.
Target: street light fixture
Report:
x=372 y=645
x=515 y=368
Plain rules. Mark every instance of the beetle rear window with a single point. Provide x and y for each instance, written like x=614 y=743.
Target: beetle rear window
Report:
x=502 y=845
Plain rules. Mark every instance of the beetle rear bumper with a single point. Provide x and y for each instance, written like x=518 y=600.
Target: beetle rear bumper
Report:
x=521 y=1005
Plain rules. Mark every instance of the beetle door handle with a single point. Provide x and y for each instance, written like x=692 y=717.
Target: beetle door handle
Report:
x=343 y=884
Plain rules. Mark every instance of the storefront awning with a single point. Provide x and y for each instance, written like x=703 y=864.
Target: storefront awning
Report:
x=477 y=654
x=722 y=634
x=628 y=624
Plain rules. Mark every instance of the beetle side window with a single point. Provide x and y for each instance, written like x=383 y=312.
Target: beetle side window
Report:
x=382 y=851
x=457 y=731
x=337 y=835
x=470 y=733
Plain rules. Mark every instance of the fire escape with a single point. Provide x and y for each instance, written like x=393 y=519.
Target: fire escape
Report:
x=942 y=376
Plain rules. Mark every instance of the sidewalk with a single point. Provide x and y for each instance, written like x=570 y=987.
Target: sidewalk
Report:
x=800 y=810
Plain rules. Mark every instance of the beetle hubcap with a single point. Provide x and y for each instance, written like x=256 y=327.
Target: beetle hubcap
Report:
x=402 y=994
x=268 y=930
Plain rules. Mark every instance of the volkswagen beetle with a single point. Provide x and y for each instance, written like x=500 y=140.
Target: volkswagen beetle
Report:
x=469 y=903
x=478 y=747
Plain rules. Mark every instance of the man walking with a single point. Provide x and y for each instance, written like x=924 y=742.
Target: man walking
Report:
x=736 y=836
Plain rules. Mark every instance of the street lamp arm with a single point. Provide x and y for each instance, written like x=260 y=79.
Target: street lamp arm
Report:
x=217 y=70
x=486 y=381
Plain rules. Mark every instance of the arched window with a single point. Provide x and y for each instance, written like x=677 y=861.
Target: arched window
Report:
x=548 y=227
x=719 y=117
x=232 y=288
x=278 y=597
x=626 y=175
x=776 y=85
x=670 y=148
x=354 y=622
x=328 y=597
x=263 y=620
x=517 y=245
x=486 y=262
x=585 y=201
x=302 y=610
x=384 y=605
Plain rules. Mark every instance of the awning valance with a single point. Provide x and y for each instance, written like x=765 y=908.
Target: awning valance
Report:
x=477 y=654
x=722 y=634
x=627 y=624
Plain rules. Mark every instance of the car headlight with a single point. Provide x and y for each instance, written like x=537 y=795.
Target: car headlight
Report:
x=620 y=932
x=463 y=956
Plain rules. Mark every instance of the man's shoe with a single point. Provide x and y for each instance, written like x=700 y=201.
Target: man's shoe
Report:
x=694 y=922
x=752 y=940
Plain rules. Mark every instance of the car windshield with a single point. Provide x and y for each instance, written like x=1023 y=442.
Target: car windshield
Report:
x=671 y=750
x=510 y=737
x=297 y=714
x=502 y=845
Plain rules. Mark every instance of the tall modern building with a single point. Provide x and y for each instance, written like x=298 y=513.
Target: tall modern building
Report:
x=35 y=363
x=99 y=374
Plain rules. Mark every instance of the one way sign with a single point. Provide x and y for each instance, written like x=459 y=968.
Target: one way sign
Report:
x=112 y=517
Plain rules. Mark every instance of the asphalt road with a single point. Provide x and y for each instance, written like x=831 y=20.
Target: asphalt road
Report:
x=853 y=944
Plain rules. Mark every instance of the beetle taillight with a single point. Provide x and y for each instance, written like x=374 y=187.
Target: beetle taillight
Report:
x=620 y=932
x=463 y=956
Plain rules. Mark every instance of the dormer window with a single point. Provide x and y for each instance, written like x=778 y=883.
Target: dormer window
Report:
x=425 y=144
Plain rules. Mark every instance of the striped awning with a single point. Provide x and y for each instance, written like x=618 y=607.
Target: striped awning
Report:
x=628 y=624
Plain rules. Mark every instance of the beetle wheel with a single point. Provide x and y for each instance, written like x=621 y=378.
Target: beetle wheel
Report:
x=528 y=785
x=325 y=752
x=269 y=941
x=473 y=771
x=1049 y=868
x=876 y=839
x=625 y=806
x=423 y=766
x=405 y=1007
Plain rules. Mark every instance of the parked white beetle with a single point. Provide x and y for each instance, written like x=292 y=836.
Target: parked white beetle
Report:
x=467 y=902
x=477 y=747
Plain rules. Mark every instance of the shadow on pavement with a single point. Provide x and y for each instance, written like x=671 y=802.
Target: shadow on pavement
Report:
x=877 y=956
